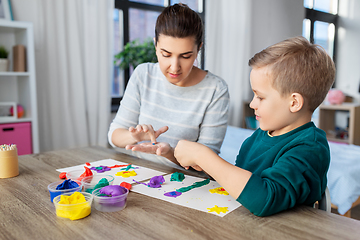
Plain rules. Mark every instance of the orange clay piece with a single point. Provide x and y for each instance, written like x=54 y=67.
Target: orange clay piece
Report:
x=87 y=173
x=126 y=185
x=62 y=175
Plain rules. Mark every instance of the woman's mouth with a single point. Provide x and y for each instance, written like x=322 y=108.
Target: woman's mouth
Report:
x=172 y=75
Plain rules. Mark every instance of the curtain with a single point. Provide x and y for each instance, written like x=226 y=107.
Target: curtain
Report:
x=227 y=49
x=73 y=51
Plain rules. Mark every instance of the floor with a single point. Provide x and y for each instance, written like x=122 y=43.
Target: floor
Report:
x=355 y=212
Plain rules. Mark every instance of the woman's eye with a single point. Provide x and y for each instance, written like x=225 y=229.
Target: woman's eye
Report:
x=186 y=57
x=165 y=55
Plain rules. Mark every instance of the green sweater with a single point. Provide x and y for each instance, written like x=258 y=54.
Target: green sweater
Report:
x=287 y=170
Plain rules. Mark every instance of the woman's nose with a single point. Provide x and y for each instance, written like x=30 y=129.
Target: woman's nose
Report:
x=175 y=65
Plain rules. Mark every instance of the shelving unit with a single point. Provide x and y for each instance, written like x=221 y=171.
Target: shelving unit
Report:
x=327 y=121
x=20 y=87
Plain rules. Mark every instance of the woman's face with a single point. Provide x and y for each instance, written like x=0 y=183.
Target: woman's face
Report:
x=176 y=57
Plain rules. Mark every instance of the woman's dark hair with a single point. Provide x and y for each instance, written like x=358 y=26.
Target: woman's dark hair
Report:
x=180 y=21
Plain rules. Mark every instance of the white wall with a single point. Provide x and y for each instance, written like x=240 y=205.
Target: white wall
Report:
x=348 y=48
x=274 y=21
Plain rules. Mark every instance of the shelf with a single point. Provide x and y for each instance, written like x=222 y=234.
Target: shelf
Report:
x=16 y=120
x=20 y=87
x=14 y=74
x=333 y=139
x=327 y=121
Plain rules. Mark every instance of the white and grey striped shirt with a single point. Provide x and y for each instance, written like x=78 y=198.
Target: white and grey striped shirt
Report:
x=197 y=113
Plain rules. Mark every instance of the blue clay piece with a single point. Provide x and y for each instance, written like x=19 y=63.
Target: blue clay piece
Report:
x=67 y=184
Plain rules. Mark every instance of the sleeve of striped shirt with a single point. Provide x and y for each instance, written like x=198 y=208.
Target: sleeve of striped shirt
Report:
x=213 y=128
x=129 y=109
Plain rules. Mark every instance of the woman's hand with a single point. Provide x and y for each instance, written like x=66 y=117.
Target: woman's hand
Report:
x=146 y=132
x=160 y=148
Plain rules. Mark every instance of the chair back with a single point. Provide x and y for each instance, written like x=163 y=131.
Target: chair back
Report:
x=325 y=202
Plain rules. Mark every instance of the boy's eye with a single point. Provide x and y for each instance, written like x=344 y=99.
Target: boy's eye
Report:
x=260 y=98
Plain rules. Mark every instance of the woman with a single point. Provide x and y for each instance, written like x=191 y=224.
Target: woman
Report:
x=172 y=100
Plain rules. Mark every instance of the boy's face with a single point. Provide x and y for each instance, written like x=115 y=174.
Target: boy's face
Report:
x=271 y=110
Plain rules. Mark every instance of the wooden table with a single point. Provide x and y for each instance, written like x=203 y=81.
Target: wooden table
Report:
x=26 y=211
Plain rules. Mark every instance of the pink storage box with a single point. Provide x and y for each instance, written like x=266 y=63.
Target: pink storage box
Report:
x=19 y=134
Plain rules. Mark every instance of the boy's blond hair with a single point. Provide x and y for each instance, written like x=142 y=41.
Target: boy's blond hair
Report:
x=297 y=66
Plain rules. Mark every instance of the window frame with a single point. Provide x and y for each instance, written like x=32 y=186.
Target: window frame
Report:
x=315 y=15
x=125 y=6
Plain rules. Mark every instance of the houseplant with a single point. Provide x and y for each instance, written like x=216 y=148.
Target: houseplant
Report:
x=4 y=62
x=135 y=53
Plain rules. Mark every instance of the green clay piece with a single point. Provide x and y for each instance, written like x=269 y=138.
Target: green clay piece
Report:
x=128 y=167
x=195 y=185
x=179 y=177
x=102 y=183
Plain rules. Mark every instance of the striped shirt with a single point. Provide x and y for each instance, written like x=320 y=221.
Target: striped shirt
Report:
x=197 y=113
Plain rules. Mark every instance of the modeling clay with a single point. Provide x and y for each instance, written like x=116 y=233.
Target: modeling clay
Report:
x=88 y=164
x=78 y=211
x=113 y=190
x=173 y=194
x=194 y=185
x=116 y=166
x=126 y=174
x=179 y=177
x=101 y=169
x=218 y=210
x=219 y=190
x=87 y=173
x=126 y=185
x=62 y=175
x=155 y=182
x=67 y=184
x=102 y=183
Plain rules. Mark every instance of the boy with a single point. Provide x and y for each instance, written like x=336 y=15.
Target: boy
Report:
x=284 y=162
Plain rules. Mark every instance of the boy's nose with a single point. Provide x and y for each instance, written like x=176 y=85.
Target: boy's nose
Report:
x=252 y=104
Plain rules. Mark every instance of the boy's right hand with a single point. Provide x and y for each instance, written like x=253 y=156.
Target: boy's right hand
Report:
x=146 y=132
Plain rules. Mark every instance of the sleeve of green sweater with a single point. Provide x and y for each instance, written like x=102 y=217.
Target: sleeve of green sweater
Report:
x=297 y=177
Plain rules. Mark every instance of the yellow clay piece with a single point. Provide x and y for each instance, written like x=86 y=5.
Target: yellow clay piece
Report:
x=78 y=209
x=126 y=174
x=218 y=210
x=219 y=190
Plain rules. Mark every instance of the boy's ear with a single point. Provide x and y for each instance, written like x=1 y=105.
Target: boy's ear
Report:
x=296 y=102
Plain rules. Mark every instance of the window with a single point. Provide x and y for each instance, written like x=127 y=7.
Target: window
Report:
x=320 y=24
x=135 y=20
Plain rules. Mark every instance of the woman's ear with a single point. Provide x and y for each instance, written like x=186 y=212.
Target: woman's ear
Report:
x=296 y=102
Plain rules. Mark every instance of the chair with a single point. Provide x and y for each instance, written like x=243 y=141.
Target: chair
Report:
x=325 y=202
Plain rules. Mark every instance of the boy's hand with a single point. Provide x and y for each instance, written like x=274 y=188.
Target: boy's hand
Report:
x=187 y=154
x=146 y=132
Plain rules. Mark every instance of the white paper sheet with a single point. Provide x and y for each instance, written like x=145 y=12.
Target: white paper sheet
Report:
x=198 y=198
x=142 y=172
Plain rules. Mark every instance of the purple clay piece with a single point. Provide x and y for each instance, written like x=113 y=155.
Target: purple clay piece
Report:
x=155 y=182
x=100 y=169
x=173 y=194
x=112 y=190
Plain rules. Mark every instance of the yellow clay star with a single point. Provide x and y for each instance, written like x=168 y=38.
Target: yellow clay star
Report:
x=218 y=210
x=126 y=174
x=219 y=190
